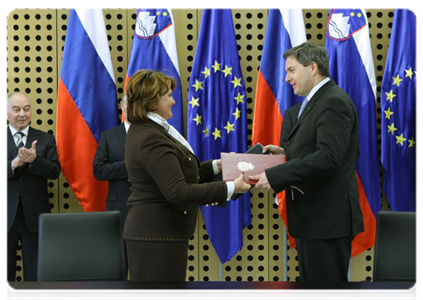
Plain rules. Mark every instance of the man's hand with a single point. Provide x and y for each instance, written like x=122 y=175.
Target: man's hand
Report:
x=273 y=149
x=262 y=182
x=28 y=155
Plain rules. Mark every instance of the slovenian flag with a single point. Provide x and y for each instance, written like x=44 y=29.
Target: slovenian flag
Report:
x=285 y=29
x=351 y=66
x=86 y=104
x=154 y=48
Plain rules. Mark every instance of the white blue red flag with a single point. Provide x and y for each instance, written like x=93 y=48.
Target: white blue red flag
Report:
x=398 y=107
x=285 y=29
x=154 y=48
x=351 y=67
x=217 y=121
x=86 y=104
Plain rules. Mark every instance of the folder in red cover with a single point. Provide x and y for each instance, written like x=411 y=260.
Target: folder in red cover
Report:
x=234 y=164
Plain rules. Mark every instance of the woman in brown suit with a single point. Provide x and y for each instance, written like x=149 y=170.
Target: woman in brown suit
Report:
x=166 y=179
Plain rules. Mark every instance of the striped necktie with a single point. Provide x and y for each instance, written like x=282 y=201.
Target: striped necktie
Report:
x=20 y=136
x=305 y=101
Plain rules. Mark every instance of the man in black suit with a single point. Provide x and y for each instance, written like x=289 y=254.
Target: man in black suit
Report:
x=109 y=164
x=31 y=160
x=319 y=176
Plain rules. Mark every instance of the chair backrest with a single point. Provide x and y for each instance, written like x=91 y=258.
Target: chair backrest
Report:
x=81 y=246
x=395 y=249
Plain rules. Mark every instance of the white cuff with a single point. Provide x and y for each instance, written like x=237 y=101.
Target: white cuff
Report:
x=231 y=189
x=215 y=168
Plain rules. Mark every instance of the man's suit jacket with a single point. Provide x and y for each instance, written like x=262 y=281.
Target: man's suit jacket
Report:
x=289 y=118
x=109 y=164
x=164 y=178
x=319 y=176
x=29 y=181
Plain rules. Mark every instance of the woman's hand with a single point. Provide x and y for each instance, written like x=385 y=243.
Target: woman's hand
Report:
x=219 y=164
x=241 y=186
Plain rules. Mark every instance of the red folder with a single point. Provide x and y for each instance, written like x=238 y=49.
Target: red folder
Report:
x=233 y=164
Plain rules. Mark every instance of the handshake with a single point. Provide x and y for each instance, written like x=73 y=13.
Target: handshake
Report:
x=251 y=165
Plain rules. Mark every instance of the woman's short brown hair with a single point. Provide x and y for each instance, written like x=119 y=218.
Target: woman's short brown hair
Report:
x=143 y=91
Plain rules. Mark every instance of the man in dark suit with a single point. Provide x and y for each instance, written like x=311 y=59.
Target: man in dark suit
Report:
x=319 y=176
x=31 y=160
x=109 y=164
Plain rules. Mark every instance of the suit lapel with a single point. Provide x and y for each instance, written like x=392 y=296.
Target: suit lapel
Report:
x=120 y=135
x=309 y=107
x=32 y=136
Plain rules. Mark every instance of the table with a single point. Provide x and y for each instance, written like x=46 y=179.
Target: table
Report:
x=113 y=290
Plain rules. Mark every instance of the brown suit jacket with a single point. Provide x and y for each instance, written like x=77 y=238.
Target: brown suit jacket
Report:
x=166 y=185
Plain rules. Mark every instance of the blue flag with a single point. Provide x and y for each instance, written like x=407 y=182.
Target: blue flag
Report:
x=217 y=121
x=398 y=108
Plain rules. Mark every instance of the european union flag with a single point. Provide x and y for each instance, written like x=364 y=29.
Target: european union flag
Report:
x=398 y=107
x=217 y=120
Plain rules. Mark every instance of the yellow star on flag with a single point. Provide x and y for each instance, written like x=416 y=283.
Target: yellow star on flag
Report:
x=390 y=96
x=409 y=73
x=237 y=113
x=392 y=129
x=236 y=82
x=216 y=66
x=397 y=80
x=229 y=127
x=412 y=142
x=197 y=119
x=227 y=71
x=400 y=139
x=216 y=133
x=206 y=132
x=239 y=98
x=198 y=85
x=388 y=113
x=206 y=72
x=194 y=102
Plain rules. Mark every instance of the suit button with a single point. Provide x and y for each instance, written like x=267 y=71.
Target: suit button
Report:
x=185 y=212
x=189 y=158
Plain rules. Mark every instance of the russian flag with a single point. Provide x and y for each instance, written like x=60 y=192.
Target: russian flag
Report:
x=285 y=29
x=154 y=48
x=86 y=104
x=351 y=66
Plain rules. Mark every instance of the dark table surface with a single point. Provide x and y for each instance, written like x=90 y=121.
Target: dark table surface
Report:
x=115 y=290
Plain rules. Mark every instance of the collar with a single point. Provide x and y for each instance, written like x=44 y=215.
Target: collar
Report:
x=158 y=119
x=317 y=87
x=127 y=125
x=13 y=130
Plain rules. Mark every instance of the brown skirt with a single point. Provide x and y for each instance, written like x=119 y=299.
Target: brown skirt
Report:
x=157 y=261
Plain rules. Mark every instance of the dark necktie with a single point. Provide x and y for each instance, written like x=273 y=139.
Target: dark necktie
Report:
x=302 y=107
x=20 y=136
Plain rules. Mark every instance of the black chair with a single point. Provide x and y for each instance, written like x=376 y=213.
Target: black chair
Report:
x=81 y=246
x=395 y=248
